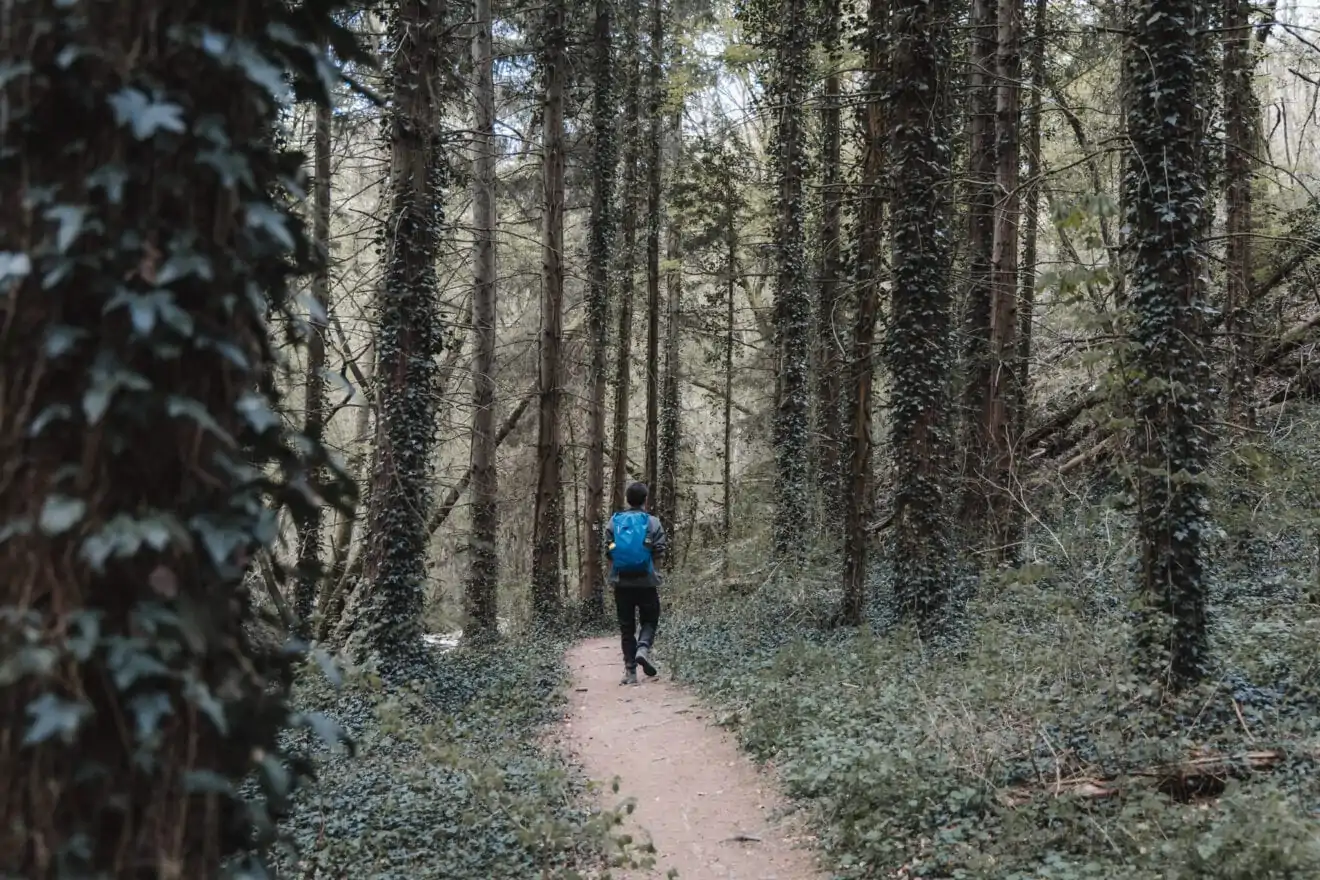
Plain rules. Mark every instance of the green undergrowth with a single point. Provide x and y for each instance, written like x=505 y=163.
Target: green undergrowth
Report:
x=923 y=762
x=454 y=776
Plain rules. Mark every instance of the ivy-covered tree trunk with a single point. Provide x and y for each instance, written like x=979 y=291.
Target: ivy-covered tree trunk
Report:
x=631 y=62
x=730 y=222
x=786 y=91
x=547 y=526
x=144 y=462
x=1241 y=118
x=996 y=416
x=977 y=371
x=654 y=161
x=918 y=344
x=1166 y=198
x=829 y=404
x=384 y=619
x=1030 y=223
x=482 y=598
x=591 y=588
x=671 y=416
x=308 y=575
x=870 y=244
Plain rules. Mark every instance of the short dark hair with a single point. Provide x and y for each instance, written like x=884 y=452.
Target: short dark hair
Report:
x=636 y=494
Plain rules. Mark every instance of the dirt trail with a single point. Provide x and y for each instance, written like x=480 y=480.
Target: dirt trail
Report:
x=705 y=806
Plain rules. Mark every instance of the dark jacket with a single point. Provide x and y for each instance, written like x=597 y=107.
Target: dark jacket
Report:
x=655 y=537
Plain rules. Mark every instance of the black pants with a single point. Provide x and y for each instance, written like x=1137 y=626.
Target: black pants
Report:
x=636 y=605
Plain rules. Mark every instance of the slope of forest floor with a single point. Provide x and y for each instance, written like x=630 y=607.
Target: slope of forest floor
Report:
x=453 y=776
x=1023 y=746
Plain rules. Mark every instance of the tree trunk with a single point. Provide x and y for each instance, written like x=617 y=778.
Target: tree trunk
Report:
x=792 y=294
x=871 y=216
x=829 y=406
x=980 y=194
x=387 y=618
x=997 y=416
x=1031 y=228
x=628 y=261
x=591 y=586
x=918 y=340
x=308 y=574
x=1166 y=196
x=547 y=589
x=130 y=502
x=671 y=422
x=654 y=161
x=730 y=329
x=1241 y=117
x=481 y=600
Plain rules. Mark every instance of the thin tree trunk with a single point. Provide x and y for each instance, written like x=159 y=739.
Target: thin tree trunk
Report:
x=1241 y=116
x=980 y=195
x=671 y=422
x=628 y=261
x=1031 y=226
x=997 y=416
x=829 y=407
x=481 y=598
x=918 y=341
x=654 y=161
x=310 y=549
x=869 y=260
x=792 y=294
x=546 y=586
x=731 y=267
x=591 y=585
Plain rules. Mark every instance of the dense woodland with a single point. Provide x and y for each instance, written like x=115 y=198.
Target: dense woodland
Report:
x=968 y=349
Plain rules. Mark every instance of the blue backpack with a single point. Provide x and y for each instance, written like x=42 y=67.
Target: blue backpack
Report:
x=631 y=553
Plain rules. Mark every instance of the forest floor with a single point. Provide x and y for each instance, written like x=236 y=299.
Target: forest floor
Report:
x=702 y=803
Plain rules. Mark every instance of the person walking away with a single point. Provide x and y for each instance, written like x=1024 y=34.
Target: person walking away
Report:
x=634 y=539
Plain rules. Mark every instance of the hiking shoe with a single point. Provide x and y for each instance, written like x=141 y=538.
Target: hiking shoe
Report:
x=644 y=661
x=629 y=676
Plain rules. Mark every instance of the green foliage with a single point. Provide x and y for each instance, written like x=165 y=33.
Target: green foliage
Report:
x=146 y=244
x=452 y=777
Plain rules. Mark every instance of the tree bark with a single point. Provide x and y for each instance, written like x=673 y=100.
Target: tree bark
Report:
x=829 y=404
x=918 y=339
x=547 y=589
x=671 y=414
x=871 y=217
x=628 y=255
x=1241 y=118
x=1031 y=228
x=386 y=617
x=1166 y=197
x=591 y=584
x=792 y=294
x=481 y=599
x=654 y=161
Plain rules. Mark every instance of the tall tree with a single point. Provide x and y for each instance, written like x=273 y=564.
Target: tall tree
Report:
x=997 y=421
x=547 y=524
x=917 y=348
x=631 y=63
x=870 y=226
x=980 y=197
x=386 y=619
x=1166 y=197
x=136 y=380
x=1241 y=118
x=654 y=161
x=671 y=416
x=829 y=405
x=786 y=90
x=310 y=549
x=591 y=587
x=481 y=598
x=1030 y=220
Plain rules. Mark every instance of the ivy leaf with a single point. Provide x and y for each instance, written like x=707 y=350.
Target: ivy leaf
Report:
x=263 y=218
x=53 y=716
x=258 y=413
x=144 y=116
x=207 y=782
x=148 y=710
x=71 y=219
x=60 y=513
x=14 y=266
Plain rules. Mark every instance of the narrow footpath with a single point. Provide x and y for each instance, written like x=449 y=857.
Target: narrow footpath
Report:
x=707 y=809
